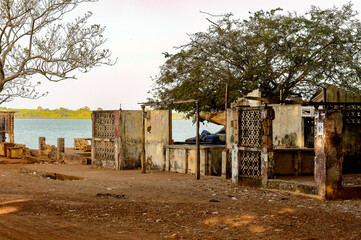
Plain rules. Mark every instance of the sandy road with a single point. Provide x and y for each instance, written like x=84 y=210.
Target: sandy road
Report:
x=108 y=204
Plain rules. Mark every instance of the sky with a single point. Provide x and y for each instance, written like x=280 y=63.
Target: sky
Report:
x=138 y=32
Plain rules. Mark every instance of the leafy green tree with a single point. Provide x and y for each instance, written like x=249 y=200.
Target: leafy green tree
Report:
x=273 y=51
x=34 y=40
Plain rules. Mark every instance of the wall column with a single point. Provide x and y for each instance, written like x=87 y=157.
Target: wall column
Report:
x=61 y=147
x=267 y=165
x=41 y=145
x=328 y=153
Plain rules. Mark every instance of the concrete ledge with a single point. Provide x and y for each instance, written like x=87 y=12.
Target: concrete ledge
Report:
x=193 y=146
x=253 y=182
x=105 y=164
x=289 y=186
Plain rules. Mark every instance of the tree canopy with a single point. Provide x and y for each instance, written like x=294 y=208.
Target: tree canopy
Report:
x=34 y=39
x=271 y=51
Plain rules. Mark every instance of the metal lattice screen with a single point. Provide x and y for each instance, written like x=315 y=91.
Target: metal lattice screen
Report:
x=104 y=133
x=250 y=128
x=104 y=150
x=104 y=125
x=250 y=164
x=351 y=112
x=250 y=136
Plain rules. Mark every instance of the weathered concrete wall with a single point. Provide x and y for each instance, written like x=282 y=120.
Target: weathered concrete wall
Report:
x=116 y=141
x=335 y=94
x=181 y=158
x=226 y=155
x=158 y=133
x=130 y=139
x=287 y=126
x=351 y=132
x=328 y=153
x=294 y=161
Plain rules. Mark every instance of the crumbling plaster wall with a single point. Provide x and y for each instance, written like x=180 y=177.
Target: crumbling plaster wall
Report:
x=351 y=134
x=181 y=158
x=288 y=126
x=335 y=94
x=158 y=133
x=131 y=139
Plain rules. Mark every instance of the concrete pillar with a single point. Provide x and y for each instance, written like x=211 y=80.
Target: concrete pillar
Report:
x=203 y=161
x=41 y=145
x=328 y=153
x=60 y=148
x=118 y=147
x=226 y=164
x=93 y=139
x=267 y=164
x=167 y=159
x=235 y=164
x=185 y=161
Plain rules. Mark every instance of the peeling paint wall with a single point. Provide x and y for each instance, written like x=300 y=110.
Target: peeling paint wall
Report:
x=130 y=139
x=158 y=133
x=335 y=94
x=288 y=126
x=328 y=153
x=181 y=158
x=116 y=141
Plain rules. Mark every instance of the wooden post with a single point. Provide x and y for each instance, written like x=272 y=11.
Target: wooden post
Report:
x=198 y=162
x=227 y=97
x=144 y=166
x=60 y=148
x=41 y=144
x=225 y=151
x=10 y=127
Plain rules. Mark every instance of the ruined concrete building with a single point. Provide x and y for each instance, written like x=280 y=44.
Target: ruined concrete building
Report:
x=309 y=148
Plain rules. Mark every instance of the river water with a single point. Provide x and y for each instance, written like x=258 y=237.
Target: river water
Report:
x=28 y=130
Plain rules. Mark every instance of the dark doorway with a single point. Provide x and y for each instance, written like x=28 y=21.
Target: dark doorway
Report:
x=309 y=136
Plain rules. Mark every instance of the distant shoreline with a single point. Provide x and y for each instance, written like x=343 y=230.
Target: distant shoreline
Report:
x=48 y=118
x=63 y=113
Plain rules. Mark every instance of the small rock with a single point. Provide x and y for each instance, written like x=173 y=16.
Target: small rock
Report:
x=215 y=213
x=234 y=198
x=214 y=200
x=109 y=189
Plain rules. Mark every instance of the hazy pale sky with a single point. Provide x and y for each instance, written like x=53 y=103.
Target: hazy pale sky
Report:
x=138 y=31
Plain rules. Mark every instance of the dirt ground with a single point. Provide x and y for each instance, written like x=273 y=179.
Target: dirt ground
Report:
x=109 y=204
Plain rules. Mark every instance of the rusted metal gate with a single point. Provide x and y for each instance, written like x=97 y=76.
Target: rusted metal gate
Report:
x=253 y=142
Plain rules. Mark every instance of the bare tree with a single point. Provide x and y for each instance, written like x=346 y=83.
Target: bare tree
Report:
x=34 y=39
